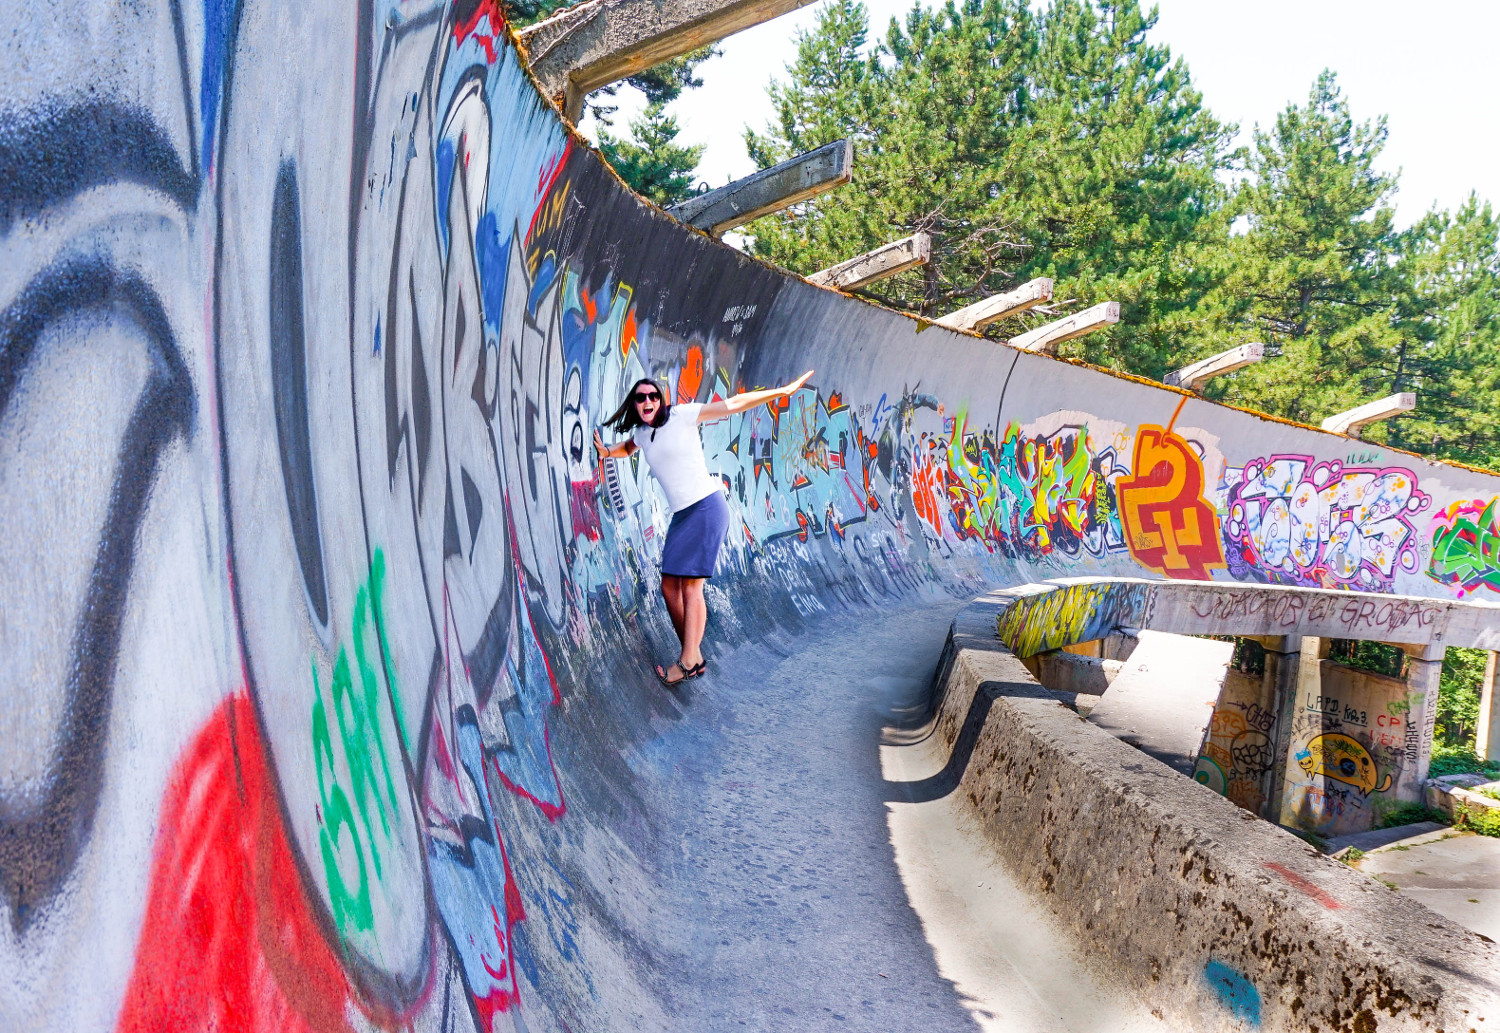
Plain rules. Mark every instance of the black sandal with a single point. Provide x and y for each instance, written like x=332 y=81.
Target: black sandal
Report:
x=661 y=676
x=696 y=671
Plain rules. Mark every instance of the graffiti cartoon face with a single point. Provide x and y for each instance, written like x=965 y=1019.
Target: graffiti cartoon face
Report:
x=1343 y=759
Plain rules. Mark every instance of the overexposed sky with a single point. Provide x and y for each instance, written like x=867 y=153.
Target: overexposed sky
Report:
x=1432 y=68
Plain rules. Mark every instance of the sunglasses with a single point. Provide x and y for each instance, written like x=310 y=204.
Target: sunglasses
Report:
x=647 y=396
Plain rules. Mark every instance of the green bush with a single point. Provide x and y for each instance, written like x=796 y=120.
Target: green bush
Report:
x=1410 y=814
x=1485 y=822
x=1451 y=759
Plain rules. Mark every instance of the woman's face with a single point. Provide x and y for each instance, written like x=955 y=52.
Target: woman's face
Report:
x=647 y=401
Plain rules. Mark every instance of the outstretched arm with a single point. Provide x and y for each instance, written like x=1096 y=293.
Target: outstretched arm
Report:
x=748 y=400
x=616 y=451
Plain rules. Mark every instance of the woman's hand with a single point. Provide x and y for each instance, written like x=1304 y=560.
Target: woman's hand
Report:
x=599 y=444
x=796 y=385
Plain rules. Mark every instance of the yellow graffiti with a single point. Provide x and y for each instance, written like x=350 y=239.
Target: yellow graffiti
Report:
x=1169 y=526
x=1051 y=620
x=1343 y=759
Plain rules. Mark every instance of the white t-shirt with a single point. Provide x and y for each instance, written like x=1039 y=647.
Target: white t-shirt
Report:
x=674 y=452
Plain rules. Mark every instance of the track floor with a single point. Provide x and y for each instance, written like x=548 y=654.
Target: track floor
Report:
x=804 y=891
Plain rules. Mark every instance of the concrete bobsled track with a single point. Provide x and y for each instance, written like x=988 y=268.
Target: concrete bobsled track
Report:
x=324 y=638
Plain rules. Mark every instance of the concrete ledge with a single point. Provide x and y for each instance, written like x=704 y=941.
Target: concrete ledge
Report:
x=1448 y=797
x=1219 y=920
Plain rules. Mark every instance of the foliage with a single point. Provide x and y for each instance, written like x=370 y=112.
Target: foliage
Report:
x=1410 y=814
x=1062 y=140
x=1448 y=759
x=1062 y=143
x=1352 y=855
x=1484 y=821
x=1376 y=657
x=1311 y=273
x=651 y=160
x=1458 y=697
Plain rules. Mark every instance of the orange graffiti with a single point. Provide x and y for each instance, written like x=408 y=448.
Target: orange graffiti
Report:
x=691 y=377
x=926 y=491
x=1170 y=527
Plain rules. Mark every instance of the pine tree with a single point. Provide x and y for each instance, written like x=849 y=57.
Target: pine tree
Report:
x=1064 y=144
x=1447 y=336
x=1313 y=274
x=651 y=162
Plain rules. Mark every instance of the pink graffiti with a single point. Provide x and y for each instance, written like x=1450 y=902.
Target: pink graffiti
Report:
x=1291 y=520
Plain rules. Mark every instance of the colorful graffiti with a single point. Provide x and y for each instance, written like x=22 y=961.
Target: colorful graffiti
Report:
x=1292 y=520
x=325 y=632
x=1466 y=546
x=1032 y=493
x=1344 y=759
x=1238 y=752
x=1171 y=528
x=1072 y=613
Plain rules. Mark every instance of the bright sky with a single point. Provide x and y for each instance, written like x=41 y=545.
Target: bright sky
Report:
x=1431 y=68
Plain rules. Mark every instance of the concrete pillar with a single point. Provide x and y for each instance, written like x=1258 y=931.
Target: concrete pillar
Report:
x=1352 y=422
x=595 y=43
x=997 y=306
x=872 y=266
x=1487 y=743
x=1046 y=338
x=770 y=190
x=1195 y=376
x=1278 y=694
x=1423 y=675
x=1302 y=719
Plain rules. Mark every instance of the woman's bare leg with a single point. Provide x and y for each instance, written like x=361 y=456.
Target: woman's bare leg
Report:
x=671 y=592
x=695 y=619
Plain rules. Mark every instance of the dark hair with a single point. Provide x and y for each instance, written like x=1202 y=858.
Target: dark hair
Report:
x=627 y=418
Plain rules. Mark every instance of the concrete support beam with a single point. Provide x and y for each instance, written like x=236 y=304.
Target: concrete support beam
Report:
x=998 y=306
x=1046 y=338
x=1422 y=677
x=598 y=42
x=1308 y=693
x=1487 y=743
x=886 y=260
x=1355 y=420
x=770 y=190
x=1279 y=697
x=1197 y=374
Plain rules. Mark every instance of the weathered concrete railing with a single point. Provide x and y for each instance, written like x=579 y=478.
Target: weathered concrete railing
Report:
x=1220 y=921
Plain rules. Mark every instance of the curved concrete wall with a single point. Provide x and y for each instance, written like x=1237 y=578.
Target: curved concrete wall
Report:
x=323 y=635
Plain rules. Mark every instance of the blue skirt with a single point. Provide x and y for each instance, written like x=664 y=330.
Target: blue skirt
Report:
x=694 y=538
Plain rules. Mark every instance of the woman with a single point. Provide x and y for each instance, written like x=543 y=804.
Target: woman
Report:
x=667 y=435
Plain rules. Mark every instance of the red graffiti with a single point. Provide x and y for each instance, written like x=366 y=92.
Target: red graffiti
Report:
x=230 y=941
x=488 y=35
x=1169 y=526
x=1305 y=886
x=691 y=377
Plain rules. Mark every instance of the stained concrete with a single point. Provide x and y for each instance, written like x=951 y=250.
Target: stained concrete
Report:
x=815 y=880
x=1456 y=874
x=1214 y=917
x=1164 y=696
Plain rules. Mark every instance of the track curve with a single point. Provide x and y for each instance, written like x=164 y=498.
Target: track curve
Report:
x=325 y=636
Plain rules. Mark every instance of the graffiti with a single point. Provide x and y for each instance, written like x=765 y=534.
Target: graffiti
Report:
x=1304 y=885
x=231 y=940
x=1466 y=546
x=1235 y=993
x=1072 y=613
x=316 y=589
x=1238 y=751
x=1293 y=521
x=1344 y=759
x=1170 y=526
x=1245 y=610
x=1032 y=493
